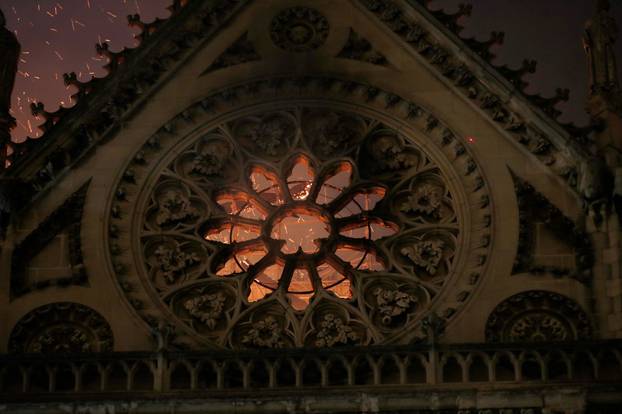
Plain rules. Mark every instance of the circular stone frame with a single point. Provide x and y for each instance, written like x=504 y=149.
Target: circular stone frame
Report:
x=447 y=150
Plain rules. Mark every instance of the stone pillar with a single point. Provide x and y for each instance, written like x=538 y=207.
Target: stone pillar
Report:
x=602 y=187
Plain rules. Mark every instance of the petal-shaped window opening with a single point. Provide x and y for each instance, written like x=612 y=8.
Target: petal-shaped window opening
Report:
x=244 y=232
x=300 y=282
x=370 y=229
x=335 y=183
x=380 y=229
x=220 y=234
x=300 y=231
x=230 y=267
x=364 y=200
x=257 y=292
x=372 y=263
x=230 y=233
x=360 y=259
x=299 y=301
x=352 y=255
x=343 y=290
x=267 y=186
x=241 y=204
x=270 y=276
x=241 y=260
x=329 y=275
x=300 y=179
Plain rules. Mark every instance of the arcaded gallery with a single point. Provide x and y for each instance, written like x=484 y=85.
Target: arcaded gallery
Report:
x=307 y=206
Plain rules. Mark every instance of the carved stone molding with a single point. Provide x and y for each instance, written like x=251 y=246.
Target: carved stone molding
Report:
x=67 y=217
x=241 y=51
x=61 y=327
x=454 y=69
x=214 y=269
x=538 y=316
x=359 y=48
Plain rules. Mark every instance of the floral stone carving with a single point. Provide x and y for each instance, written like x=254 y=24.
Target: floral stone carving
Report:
x=333 y=331
x=299 y=29
x=265 y=333
x=425 y=253
x=426 y=199
x=393 y=303
x=207 y=308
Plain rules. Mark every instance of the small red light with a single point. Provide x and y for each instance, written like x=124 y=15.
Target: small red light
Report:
x=470 y=139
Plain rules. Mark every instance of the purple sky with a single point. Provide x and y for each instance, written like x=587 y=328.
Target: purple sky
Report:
x=60 y=36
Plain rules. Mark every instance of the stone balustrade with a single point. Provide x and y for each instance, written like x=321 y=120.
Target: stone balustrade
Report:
x=24 y=376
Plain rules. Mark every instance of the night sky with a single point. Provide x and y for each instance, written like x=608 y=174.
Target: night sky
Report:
x=60 y=36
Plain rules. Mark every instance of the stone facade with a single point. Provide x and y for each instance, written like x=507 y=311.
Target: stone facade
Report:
x=462 y=253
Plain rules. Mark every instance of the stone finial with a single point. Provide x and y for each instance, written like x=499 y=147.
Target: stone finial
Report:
x=601 y=33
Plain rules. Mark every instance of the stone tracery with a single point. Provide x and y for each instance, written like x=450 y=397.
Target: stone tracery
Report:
x=61 y=327
x=364 y=207
x=538 y=316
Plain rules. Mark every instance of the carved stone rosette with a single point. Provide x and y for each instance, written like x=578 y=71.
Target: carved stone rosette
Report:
x=62 y=327
x=299 y=29
x=309 y=221
x=538 y=316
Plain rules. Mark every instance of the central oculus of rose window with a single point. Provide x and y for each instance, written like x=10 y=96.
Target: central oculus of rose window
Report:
x=300 y=231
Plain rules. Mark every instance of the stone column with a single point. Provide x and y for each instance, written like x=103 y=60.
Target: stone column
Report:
x=602 y=187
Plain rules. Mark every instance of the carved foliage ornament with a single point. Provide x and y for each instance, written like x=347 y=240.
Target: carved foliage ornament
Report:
x=537 y=316
x=62 y=327
x=298 y=226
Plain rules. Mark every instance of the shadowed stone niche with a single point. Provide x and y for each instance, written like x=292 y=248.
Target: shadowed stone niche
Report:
x=62 y=327
x=538 y=316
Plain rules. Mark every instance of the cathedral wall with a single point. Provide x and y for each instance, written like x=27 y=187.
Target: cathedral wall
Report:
x=405 y=74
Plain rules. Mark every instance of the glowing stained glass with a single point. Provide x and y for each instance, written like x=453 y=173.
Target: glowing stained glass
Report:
x=302 y=226
x=300 y=179
x=267 y=186
x=242 y=260
x=329 y=275
x=270 y=276
x=342 y=290
x=373 y=230
x=257 y=292
x=334 y=185
x=230 y=233
x=334 y=281
x=299 y=301
x=300 y=231
x=360 y=259
x=301 y=282
x=362 y=201
x=241 y=205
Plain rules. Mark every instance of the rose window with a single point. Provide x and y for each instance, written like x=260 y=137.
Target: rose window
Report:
x=300 y=230
x=298 y=226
